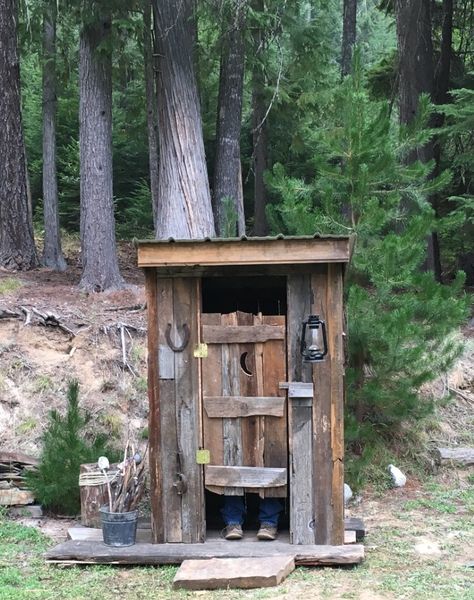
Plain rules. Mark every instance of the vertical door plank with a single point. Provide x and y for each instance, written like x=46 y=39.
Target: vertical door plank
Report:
x=231 y=387
x=250 y=426
x=300 y=425
x=154 y=417
x=186 y=304
x=274 y=371
x=328 y=521
x=169 y=442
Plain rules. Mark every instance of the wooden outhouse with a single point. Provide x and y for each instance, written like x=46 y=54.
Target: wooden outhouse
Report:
x=234 y=406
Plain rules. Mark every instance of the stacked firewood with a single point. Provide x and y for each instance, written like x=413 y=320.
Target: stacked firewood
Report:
x=13 y=487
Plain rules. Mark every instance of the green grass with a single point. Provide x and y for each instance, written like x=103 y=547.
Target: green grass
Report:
x=9 y=285
x=393 y=569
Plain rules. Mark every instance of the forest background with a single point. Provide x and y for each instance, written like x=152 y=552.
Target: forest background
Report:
x=258 y=117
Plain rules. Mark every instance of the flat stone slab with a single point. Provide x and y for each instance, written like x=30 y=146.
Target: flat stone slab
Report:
x=223 y=573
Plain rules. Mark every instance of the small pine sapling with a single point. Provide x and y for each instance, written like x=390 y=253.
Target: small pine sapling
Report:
x=66 y=446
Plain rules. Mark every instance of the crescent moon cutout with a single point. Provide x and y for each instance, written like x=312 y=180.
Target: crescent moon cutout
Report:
x=243 y=364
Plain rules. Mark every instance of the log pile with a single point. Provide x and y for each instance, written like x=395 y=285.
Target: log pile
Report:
x=13 y=488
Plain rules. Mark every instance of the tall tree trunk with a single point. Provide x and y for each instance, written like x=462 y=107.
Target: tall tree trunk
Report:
x=349 y=22
x=259 y=130
x=52 y=253
x=99 y=253
x=184 y=200
x=152 y=118
x=416 y=76
x=17 y=246
x=227 y=169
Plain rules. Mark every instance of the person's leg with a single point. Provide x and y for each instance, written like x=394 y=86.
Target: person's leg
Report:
x=270 y=509
x=233 y=513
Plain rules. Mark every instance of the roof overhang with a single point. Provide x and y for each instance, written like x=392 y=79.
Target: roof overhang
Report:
x=220 y=252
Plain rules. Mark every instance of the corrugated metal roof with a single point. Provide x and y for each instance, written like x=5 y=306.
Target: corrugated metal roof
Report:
x=245 y=238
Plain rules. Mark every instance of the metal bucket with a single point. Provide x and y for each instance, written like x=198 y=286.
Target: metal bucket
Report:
x=119 y=529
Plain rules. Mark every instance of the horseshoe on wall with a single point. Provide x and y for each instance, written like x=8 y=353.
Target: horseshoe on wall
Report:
x=184 y=343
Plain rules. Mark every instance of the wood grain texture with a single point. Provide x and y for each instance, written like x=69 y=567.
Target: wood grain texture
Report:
x=243 y=406
x=249 y=477
x=275 y=438
x=225 y=573
x=250 y=252
x=154 y=417
x=186 y=308
x=241 y=334
x=328 y=412
x=300 y=423
x=161 y=554
x=169 y=450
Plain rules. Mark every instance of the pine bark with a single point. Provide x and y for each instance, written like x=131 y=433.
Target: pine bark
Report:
x=184 y=201
x=52 y=253
x=349 y=23
x=151 y=108
x=259 y=131
x=17 y=246
x=99 y=254
x=416 y=76
x=227 y=167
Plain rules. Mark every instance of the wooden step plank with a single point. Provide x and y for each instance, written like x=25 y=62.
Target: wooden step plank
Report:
x=248 y=477
x=92 y=534
x=243 y=406
x=224 y=573
x=241 y=334
x=86 y=552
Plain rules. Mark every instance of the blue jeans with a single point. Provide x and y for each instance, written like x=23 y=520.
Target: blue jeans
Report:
x=233 y=511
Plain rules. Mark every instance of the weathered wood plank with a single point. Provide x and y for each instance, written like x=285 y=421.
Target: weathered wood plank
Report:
x=225 y=573
x=243 y=406
x=336 y=348
x=232 y=430
x=166 y=361
x=241 y=334
x=212 y=386
x=327 y=412
x=154 y=417
x=186 y=308
x=251 y=477
x=18 y=457
x=276 y=437
x=463 y=456
x=93 y=534
x=162 y=554
x=14 y=496
x=169 y=449
x=299 y=417
x=250 y=252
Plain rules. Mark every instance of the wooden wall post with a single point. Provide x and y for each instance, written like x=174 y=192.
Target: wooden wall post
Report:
x=300 y=426
x=154 y=420
x=328 y=405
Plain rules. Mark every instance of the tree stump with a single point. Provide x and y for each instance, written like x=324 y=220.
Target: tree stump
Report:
x=92 y=498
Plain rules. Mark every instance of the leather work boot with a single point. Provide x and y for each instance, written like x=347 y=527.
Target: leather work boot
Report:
x=267 y=532
x=233 y=532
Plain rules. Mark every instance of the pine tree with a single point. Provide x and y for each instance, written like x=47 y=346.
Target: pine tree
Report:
x=401 y=323
x=65 y=447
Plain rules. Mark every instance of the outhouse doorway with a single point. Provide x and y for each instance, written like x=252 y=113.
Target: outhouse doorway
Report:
x=244 y=411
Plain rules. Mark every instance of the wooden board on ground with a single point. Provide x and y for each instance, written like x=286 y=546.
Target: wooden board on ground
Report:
x=14 y=496
x=357 y=525
x=72 y=552
x=223 y=573
x=462 y=456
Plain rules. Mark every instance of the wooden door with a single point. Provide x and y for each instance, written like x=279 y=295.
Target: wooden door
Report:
x=244 y=411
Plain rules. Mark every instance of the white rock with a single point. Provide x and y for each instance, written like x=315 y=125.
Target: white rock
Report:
x=347 y=493
x=398 y=478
